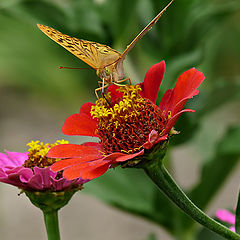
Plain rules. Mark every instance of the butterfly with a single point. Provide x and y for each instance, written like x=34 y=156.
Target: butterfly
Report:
x=107 y=62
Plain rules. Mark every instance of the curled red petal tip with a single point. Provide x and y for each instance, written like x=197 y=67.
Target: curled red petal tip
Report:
x=186 y=87
x=152 y=81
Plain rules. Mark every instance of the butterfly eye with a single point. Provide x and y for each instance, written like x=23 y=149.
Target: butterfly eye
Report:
x=108 y=72
x=98 y=72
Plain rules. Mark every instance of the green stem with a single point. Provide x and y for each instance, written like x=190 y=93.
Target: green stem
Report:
x=51 y=223
x=158 y=173
x=237 y=216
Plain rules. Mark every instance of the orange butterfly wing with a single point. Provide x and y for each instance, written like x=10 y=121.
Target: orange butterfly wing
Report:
x=97 y=55
x=94 y=54
x=144 y=31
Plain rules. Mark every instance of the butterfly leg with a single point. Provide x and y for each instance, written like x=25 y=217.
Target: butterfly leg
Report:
x=123 y=80
x=118 y=83
x=127 y=79
x=96 y=91
x=100 y=88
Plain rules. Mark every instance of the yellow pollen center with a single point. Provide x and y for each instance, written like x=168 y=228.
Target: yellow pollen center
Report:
x=120 y=111
x=37 y=154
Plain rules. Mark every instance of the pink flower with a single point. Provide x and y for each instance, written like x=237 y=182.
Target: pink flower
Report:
x=128 y=123
x=13 y=170
x=226 y=216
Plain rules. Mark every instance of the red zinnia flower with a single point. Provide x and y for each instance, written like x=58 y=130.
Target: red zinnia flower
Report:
x=127 y=121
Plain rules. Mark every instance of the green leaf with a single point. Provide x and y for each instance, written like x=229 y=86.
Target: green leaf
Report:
x=217 y=169
x=206 y=234
x=132 y=191
x=116 y=188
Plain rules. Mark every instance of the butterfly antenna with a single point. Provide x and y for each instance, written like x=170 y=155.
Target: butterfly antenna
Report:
x=72 y=68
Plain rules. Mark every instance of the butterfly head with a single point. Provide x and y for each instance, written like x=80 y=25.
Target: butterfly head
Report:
x=106 y=74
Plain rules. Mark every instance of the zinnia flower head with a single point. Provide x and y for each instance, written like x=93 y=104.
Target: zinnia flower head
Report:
x=31 y=171
x=124 y=123
x=128 y=123
x=226 y=216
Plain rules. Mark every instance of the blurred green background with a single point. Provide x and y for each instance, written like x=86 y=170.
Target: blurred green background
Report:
x=36 y=97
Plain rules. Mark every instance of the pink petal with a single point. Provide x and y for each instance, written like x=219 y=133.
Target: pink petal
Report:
x=152 y=81
x=46 y=176
x=153 y=136
x=153 y=139
x=25 y=174
x=60 y=184
x=225 y=216
x=12 y=159
x=16 y=183
x=36 y=182
x=14 y=177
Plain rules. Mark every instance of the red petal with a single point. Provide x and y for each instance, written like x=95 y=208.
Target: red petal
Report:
x=74 y=150
x=114 y=93
x=163 y=138
x=174 y=119
x=179 y=106
x=185 y=88
x=152 y=81
x=94 y=145
x=96 y=172
x=86 y=171
x=113 y=156
x=165 y=99
x=60 y=165
x=129 y=156
x=80 y=124
x=86 y=108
